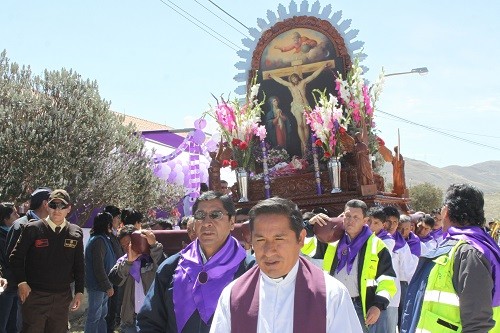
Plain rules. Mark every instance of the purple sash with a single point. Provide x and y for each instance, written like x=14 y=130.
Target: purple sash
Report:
x=383 y=235
x=483 y=242
x=414 y=243
x=437 y=234
x=198 y=286
x=348 y=249
x=427 y=238
x=135 y=269
x=400 y=241
x=309 y=307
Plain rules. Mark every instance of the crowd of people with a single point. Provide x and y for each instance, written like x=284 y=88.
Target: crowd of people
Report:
x=388 y=272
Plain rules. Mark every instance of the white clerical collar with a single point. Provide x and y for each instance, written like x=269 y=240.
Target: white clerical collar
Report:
x=289 y=278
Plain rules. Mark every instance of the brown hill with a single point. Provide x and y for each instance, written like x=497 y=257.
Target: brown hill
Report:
x=485 y=175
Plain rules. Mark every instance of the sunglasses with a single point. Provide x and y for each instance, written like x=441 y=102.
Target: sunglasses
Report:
x=214 y=215
x=57 y=205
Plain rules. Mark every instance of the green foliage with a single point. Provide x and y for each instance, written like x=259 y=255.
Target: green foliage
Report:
x=55 y=130
x=425 y=197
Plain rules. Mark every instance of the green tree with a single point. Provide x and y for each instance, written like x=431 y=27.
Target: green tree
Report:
x=55 y=130
x=426 y=197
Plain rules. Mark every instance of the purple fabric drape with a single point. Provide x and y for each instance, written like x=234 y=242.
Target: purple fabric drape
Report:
x=348 y=249
x=198 y=286
x=483 y=242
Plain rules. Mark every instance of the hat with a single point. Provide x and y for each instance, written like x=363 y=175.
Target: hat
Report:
x=61 y=195
x=38 y=196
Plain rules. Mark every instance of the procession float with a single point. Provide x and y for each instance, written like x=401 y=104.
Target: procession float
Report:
x=305 y=129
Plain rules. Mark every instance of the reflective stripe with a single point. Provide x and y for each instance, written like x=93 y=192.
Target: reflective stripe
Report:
x=310 y=245
x=371 y=283
x=386 y=278
x=441 y=297
x=374 y=246
x=421 y=330
x=384 y=294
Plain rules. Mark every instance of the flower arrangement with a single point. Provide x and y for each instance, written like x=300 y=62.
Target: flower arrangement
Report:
x=239 y=126
x=358 y=99
x=327 y=121
x=274 y=155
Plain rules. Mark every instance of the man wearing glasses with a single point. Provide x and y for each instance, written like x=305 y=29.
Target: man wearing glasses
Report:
x=456 y=285
x=45 y=261
x=187 y=286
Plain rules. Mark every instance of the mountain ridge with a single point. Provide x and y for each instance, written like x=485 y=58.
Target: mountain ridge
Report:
x=484 y=175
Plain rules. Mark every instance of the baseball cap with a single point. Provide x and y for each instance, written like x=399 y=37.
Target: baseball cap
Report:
x=38 y=196
x=61 y=195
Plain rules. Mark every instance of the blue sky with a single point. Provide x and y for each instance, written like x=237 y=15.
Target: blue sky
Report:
x=152 y=63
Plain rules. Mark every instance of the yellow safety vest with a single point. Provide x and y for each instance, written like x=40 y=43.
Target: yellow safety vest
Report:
x=441 y=305
x=309 y=248
x=385 y=285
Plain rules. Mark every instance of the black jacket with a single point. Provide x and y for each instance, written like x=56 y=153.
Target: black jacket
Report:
x=48 y=261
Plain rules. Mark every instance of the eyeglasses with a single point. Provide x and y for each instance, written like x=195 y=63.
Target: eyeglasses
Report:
x=214 y=215
x=57 y=205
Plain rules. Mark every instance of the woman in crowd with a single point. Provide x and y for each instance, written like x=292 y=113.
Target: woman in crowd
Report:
x=99 y=259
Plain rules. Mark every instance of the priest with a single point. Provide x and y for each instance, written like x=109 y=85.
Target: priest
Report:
x=285 y=292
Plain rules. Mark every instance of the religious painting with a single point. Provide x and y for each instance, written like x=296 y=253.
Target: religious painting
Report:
x=291 y=65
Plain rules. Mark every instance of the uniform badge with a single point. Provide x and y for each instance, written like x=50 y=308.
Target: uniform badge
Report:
x=70 y=243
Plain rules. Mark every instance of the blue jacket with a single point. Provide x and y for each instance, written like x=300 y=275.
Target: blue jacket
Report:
x=99 y=259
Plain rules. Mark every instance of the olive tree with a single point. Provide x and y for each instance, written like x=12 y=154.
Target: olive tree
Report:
x=56 y=130
x=425 y=197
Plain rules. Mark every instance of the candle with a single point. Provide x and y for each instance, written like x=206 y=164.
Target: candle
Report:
x=267 y=182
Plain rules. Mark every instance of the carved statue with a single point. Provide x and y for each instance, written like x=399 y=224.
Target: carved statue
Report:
x=379 y=181
x=364 y=166
x=214 y=172
x=398 y=173
x=398 y=168
x=224 y=153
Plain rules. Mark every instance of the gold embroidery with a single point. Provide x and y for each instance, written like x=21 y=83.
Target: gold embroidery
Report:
x=70 y=243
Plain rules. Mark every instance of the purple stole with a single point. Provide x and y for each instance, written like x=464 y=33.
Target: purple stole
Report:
x=400 y=241
x=414 y=243
x=309 y=302
x=348 y=249
x=197 y=286
x=438 y=233
x=483 y=242
x=427 y=238
x=383 y=235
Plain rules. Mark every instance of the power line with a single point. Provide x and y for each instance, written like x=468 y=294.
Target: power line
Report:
x=208 y=32
x=469 y=133
x=231 y=16
x=438 y=131
x=455 y=131
x=220 y=18
x=433 y=129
